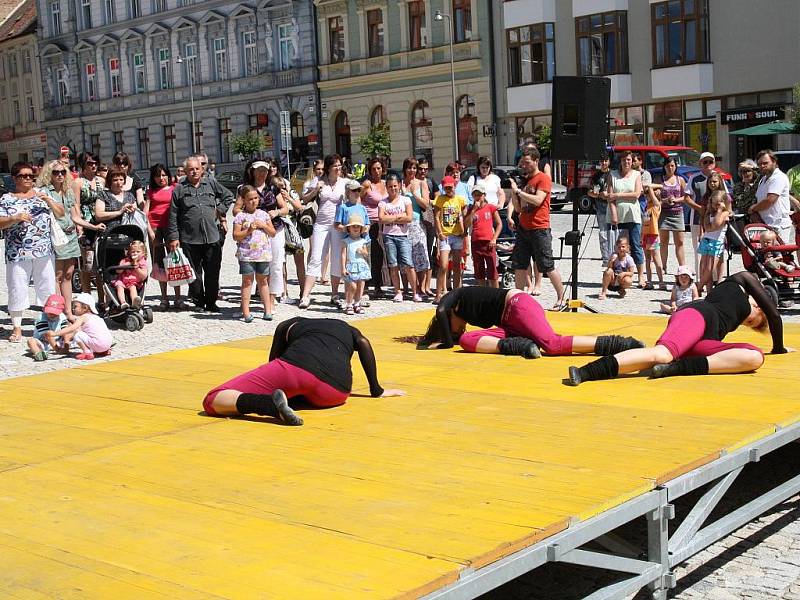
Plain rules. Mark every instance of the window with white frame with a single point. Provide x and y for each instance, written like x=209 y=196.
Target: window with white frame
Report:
x=250 y=53
x=110 y=12
x=163 y=68
x=26 y=61
x=86 y=13
x=139 y=82
x=416 y=25
x=61 y=83
x=55 y=18
x=190 y=56
x=114 y=81
x=31 y=109
x=462 y=20
x=134 y=9
x=336 y=39
x=284 y=47
x=198 y=136
x=91 y=82
x=220 y=59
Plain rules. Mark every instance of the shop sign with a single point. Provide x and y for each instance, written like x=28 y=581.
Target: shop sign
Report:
x=268 y=142
x=312 y=138
x=754 y=116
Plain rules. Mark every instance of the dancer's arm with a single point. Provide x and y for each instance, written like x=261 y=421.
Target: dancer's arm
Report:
x=753 y=287
x=447 y=304
x=367 y=358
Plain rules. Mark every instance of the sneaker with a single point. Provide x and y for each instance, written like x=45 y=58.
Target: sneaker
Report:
x=288 y=300
x=398 y=297
x=267 y=316
x=136 y=302
x=247 y=318
x=304 y=303
x=417 y=298
x=40 y=356
x=124 y=306
x=364 y=302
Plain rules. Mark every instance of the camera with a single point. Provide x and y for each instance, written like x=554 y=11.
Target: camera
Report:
x=519 y=179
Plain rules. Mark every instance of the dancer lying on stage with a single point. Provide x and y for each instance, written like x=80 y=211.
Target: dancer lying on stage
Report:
x=692 y=343
x=518 y=326
x=309 y=358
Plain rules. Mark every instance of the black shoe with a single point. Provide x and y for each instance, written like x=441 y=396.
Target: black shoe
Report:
x=212 y=308
x=574 y=377
x=519 y=346
x=285 y=412
x=661 y=370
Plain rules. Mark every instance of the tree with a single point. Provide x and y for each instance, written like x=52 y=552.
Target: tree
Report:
x=376 y=143
x=543 y=139
x=247 y=144
x=796 y=109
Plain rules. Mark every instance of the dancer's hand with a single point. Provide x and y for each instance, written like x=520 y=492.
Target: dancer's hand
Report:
x=390 y=393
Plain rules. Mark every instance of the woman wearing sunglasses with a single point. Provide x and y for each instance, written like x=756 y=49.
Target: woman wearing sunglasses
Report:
x=53 y=180
x=25 y=219
x=87 y=188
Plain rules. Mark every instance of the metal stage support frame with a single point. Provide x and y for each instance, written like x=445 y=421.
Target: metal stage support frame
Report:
x=653 y=566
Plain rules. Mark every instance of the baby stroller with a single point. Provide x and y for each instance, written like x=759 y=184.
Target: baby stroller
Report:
x=110 y=248
x=780 y=284
x=505 y=248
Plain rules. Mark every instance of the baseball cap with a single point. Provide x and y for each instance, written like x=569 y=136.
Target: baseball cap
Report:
x=259 y=164
x=480 y=188
x=353 y=185
x=55 y=305
x=86 y=299
x=706 y=155
x=448 y=180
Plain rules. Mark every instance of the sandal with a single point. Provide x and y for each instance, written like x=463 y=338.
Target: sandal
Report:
x=247 y=319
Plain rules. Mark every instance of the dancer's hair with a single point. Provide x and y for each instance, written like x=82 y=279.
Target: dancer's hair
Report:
x=433 y=335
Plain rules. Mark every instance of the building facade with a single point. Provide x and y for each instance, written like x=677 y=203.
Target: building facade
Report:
x=389 y=61
x=128 y=75
x=684 y=72
x=22 y=135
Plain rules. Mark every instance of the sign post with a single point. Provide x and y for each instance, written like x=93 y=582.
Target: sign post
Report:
x=286 y=140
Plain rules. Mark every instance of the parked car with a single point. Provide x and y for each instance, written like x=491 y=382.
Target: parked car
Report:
x=231 y=180
x=6 y=183
x=654 y=157
x=558 y=192
x=787 y=159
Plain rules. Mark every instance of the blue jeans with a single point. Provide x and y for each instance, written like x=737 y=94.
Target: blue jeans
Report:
x=398 y=249
x=634 y=235
x=602 y=232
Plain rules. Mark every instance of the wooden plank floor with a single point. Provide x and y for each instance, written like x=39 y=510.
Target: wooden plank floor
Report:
x=114 y=484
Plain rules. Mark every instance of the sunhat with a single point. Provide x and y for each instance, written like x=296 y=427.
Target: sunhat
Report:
x=86 y=299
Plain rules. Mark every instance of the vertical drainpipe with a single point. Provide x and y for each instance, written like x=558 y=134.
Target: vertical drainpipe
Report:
x=493 y=81
x=318 y=94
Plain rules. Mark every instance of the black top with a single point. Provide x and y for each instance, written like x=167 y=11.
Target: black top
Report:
x=193 y=212
x=727 y=306
x=477 y=305
x=323 y=347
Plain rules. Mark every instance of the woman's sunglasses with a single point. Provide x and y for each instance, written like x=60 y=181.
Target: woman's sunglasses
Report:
x=25 y=176
x=62 y=173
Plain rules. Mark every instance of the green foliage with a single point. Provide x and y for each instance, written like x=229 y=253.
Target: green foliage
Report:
x=247 y=144
x=543 y=139
x=377 y=142
x=796 y=108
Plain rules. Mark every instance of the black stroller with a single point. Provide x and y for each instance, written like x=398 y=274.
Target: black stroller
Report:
x=505 y=248
x=110 y=248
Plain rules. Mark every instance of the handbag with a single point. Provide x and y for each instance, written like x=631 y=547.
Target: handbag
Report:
x=179 y=269
x=306 y=220
x=57 y=235
x=293 y=240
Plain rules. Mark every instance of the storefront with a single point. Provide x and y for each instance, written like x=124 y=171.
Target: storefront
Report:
x=749 y=146
x=28 y=148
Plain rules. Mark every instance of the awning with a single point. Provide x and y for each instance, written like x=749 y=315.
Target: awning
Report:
x=779 y=127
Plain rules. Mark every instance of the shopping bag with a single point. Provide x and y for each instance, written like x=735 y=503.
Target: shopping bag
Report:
x=613 y=236
x=179 y=270
x=57 y=235
x=293 y=240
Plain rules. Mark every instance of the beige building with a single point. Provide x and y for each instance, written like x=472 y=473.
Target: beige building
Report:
x=22 y=135
x=684 y=72
x=389 y=61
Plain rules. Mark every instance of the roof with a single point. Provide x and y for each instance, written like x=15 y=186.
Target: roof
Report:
x=17 y=18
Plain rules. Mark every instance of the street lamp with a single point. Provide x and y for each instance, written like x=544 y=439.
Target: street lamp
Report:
x=439 y=16
x=179 y=60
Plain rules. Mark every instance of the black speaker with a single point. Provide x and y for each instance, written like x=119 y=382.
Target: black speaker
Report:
x=580 y=117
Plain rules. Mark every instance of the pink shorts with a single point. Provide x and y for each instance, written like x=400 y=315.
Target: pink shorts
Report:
x=650 y=241
x=684 y=337
x=127 y=280
x=278 y=374
x=522 y=317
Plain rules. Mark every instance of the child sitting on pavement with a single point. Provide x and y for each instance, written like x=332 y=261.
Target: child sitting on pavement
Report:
x=88 y=331
x=51 y=319
x=683 y=292
x=618 y=275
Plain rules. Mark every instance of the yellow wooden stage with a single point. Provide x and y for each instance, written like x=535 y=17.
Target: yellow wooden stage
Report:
x=114 y=484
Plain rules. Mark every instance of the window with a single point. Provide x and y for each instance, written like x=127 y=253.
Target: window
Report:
x=138 y=73
x=375 y=32
x=284 y=47
x=531 y=54
x=144 y=145
x=169 y=145
x=110 y=12
x=198 y=136
x=224 y=126
x=26 y=61
x=257 y=122
x=15 y=111
x=298 y=125
x=680 y=32
x=31 y=109
x=377 y=116
x=113 y=70
x=336 y=39
x=462 y=20
x=159 y=6
x=416 y=25
x=250 y=53
x=119 y=142
x=62 y=75
x=342 y=126
x=220 y=60
x=94 y=142
x=91 y=82
x=134 y=9
x=602 y=43
x=2 y=67
x=163 y=68
x=86 y=13
x=13 y=69
x=189 y=54
x=422 y=132
x=55 y=18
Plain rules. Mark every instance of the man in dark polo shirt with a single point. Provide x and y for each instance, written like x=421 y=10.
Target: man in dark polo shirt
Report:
x=534 y=240
x=193 y=226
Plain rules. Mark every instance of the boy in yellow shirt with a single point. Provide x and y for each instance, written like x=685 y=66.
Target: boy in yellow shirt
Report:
x=449 y=218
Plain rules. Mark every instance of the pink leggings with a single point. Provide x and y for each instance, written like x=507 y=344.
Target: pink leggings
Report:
x=684 y=337
x=278 y=374
x=523 y=317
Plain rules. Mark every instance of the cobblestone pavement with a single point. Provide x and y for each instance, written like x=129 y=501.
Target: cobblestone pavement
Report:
x=760 y=561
